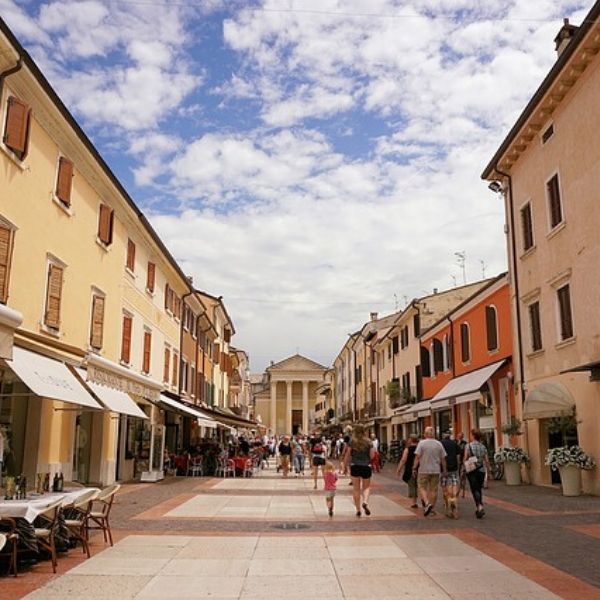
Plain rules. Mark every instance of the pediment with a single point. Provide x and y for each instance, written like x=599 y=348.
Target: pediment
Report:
x=296 y=363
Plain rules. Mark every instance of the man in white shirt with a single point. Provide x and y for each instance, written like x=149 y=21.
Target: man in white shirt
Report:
x=430 y=462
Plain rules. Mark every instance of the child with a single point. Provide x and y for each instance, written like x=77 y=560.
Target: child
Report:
x=330 y=477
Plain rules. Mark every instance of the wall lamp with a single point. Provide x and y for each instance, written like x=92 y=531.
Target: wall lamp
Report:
x=495 y=186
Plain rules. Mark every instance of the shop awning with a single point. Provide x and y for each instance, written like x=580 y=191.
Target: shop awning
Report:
x=49 y=378
x=9 y=320
x=227 y=417
x=115 y=400
x=592 y=367
x=420 y=409
x=203 y=419
x=403 y=417
x=464 y=388
x=551 y=399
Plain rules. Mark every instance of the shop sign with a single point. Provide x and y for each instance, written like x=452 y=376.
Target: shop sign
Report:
x=129 y=386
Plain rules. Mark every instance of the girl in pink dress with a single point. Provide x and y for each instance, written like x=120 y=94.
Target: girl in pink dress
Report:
x=330 y=478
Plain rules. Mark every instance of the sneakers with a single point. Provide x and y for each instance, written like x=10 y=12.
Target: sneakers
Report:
x=428 y=510
x=358 y=513
x=331 y=512
x=366 y=509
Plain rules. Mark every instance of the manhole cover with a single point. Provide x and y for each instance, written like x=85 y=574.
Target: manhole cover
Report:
x=291 y=526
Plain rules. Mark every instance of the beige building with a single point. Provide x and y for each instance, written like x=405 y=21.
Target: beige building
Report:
x=547 y=169
x=286 y=395
x=344 y=386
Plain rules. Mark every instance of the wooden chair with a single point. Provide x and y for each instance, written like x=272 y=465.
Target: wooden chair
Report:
x=80 y=511
x=8 y=527
x=194 y=466
x=46 y=536
x=99 y=519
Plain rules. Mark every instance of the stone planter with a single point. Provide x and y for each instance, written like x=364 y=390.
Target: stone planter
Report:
x=512 y=472
x=570 y=478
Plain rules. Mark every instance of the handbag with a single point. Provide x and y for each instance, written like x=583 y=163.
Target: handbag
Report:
x=471 y=464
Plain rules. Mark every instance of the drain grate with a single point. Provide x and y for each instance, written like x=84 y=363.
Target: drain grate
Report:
x=291 y=526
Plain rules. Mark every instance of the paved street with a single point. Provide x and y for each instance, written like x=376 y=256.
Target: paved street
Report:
x=197 y=538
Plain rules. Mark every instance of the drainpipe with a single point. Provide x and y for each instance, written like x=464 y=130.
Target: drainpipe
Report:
x=452 y=346
x=513 y=244
x=181 y=344
x=9 y=72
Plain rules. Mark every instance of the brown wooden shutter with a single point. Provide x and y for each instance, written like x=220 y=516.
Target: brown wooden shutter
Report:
x=491 y=328
x=147 y=352
x=97 y=327
x=464 y=342
x=216 y=353
x=438 y=356
x=53 y=296
x=566 y=318
x=6 y=242
x=17 y=126
x=126 y=339
x=554 y=199
x=151 y=276
x=227 y=336
x=167 y=365
x=130 y=255
x=167 y=289
x=527 y=227
x=64 y=181
x=175 y=369
x=105 y=224
x=535 y=324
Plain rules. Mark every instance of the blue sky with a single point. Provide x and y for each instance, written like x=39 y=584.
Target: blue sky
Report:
x=310 y=160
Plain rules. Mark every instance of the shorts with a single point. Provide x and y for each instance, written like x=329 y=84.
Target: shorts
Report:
x=428 y=481
x=330 y=494
x=452 y=478
x=285 y=461
x=362 y=471
x=318 y=461
x=412 y=487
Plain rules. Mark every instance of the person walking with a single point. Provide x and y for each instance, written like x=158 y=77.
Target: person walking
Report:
x=451 y=481
x=476 y=461
x=405 y=466
x=330 y=478
x=317 y=451
x=375 y=463
x=359 y=454
x=285 y=452
x=430 y=462
x=298 y=452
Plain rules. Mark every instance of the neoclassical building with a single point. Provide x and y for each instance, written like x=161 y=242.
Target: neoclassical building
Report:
x=285 y=395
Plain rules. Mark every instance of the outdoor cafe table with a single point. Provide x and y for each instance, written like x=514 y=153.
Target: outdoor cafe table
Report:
x=240 y=463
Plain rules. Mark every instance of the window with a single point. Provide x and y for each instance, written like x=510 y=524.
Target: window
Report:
x=64 y=180
x=465 y=348
x=105 y=224
x=16 y=130
x=564 y=311
x=535 y=326
x=431 y=360
x=548 y=133
x=6 y=247
x=184 y=375
x=554 y=203
x=527 y=227
x=417 y=325
x=216 y=353
x=192 y=380
x=395 y=346
x=186 y=317
x=126 y=339
x=425 y=365
x=97 y=324
x=151 y=277
x=147 y=351
x=448 y=352
x=227 y=336
x=438 y=356
x=491 y=327
x=175 y=375
x=130 y=263
x=53 y=296
x=167 y=364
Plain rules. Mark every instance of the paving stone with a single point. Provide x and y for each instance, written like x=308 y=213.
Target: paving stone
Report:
x=175 y=586
x=94 y=587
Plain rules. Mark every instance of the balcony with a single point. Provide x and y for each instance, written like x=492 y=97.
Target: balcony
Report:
x=404 y=396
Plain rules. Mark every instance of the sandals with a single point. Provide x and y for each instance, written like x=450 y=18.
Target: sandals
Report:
x=366 y=509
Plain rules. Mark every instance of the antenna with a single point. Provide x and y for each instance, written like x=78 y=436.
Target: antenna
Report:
x=405 y=300
x=396 y=301
x=461 y=259
x=483 y=266
x=453 y=279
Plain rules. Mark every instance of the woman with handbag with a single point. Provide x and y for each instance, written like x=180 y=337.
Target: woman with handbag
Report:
x=476 y=462
x=406 y=463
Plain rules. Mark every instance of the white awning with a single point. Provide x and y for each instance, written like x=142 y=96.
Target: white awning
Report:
x=49 y=378
x=420 y=409
x=464 y=388
x=115 y=400
x=550 y=399
x=203 y=419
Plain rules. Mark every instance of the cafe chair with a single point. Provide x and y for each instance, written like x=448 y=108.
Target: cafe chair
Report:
x=249 y=468
x=79 y=515
x=8 y=528
x=229 y=468
x=194 y=466
x=99 y=519
x=46 y=536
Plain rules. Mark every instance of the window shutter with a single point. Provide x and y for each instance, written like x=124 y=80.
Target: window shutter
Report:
x=6 y=240
x=438 y=356
x=491 y=328
x=527 y=226
x=53 y=296
x=17 y=126
x=147 y=352
x=174 y=381
x=97 y=322
x=130 y=255
x=216 y=353
x=64 y=181
x=425 y=363
x=554 y=198
x=167 y=365
x=464 y=342
x=167 y=295
x=126 y=339
x=566 y=318
x=151 y=276
x=227 y=336
x=535 y=324
x=105 y=224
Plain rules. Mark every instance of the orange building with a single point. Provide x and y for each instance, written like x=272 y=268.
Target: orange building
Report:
x=466 y=361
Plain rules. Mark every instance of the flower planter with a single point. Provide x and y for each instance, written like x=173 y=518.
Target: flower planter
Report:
x=570 y=478
x=512 y=472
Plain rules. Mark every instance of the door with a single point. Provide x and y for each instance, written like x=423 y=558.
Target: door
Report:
x=296 y=422
x=82 y=447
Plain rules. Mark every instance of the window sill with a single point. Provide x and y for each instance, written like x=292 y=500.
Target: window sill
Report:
x=130 y=273
x=536 y=353
x=13 y=157
x=105 y=247
x=66 y=209
x=124 y=363
x=556 y=230
x=55 y=333
x=150 y=293
x=564 y=343
x=528 y=252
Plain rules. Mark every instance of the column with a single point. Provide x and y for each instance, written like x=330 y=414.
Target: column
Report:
x=288 y=408
x=273 y=419
x=305 y=407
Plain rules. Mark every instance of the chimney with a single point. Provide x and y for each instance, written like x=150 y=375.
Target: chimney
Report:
x=435 y=291
x=564 y=36
x=374 y=316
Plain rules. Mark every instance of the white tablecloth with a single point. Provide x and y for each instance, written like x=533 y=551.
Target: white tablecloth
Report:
x=33 y=506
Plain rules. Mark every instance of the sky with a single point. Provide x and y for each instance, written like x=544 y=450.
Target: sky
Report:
x=312 y=161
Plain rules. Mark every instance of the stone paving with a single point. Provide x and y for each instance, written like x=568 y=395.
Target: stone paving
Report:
x=206 y=537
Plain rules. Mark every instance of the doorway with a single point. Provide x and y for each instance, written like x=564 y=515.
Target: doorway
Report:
x=297 y=422
x=82 y=447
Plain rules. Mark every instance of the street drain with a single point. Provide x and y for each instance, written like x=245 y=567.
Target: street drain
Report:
x=291 y=526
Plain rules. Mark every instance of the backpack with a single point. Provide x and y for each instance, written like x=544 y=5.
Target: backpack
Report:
x=317 y=449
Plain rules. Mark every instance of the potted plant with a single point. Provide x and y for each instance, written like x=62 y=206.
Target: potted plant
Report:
x=512 y=457
x=569 y=461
